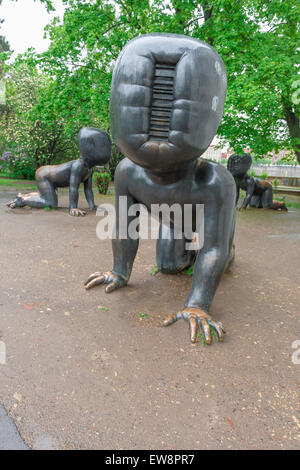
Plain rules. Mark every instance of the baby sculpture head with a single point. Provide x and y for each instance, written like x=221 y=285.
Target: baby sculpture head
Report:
x=167 y=99
x=94 y=145
x=238 y=165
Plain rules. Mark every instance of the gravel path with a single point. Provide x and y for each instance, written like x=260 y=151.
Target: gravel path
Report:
x=82 y=377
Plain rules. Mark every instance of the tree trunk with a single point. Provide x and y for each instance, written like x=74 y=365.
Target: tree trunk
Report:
x=293 y=124
x=207 y=12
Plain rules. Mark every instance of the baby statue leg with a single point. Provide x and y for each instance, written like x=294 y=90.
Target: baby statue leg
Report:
x=47 y=196
x=171 y=254
x=267 y=201
x=255 y=201
x=267 y=198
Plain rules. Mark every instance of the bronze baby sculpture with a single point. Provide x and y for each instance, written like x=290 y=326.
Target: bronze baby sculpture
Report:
x=259 y=193
x=95 y=148
x=167 y=99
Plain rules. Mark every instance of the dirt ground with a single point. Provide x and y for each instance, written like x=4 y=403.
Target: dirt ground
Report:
x=82 y=377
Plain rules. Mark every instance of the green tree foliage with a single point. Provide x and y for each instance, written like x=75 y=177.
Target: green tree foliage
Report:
x=5 y=53
x=31 y=133
x=257 y=40
x=261 y=52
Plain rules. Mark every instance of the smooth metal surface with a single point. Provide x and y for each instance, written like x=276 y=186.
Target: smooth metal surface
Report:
x=259 y=193
x=167 y=98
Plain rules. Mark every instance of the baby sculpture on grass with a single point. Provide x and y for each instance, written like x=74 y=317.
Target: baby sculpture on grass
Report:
x=95 y=149
x=167 y=99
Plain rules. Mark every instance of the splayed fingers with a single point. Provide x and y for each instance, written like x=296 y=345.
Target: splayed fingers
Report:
x=77 y=213
x=112 y=280
x=198 y=320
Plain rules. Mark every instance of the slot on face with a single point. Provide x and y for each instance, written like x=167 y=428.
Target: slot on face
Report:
x=162 y=101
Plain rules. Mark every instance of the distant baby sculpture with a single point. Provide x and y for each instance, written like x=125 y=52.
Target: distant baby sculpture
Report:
x=167 y=99
x=259 y=193
x=95 y=149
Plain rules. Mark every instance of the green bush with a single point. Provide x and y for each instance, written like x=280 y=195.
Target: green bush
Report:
x=287 y=161
x=263 y=176
x=261 y=161
x=16 y=164
x=33 y=132
x=102 y=180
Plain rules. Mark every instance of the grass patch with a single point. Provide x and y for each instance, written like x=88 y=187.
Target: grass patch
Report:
x=295 y=205
x=15 y=183
x=189 y=271
x=214 y=336
x=289 y=200
x=154 y=271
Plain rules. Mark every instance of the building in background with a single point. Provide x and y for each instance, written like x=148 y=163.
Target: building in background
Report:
x=218 y=154
x=215 y=153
